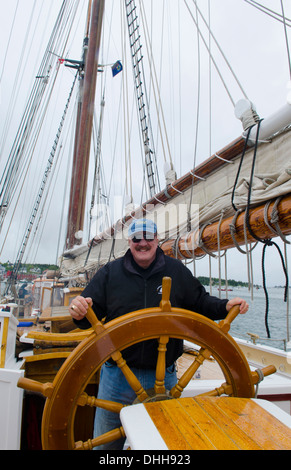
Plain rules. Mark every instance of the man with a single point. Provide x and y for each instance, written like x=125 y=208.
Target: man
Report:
x=131 y=283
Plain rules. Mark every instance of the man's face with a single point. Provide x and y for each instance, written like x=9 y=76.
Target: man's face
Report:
x=143 y=251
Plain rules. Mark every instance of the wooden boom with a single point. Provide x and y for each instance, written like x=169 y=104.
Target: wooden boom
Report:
x=189 y=245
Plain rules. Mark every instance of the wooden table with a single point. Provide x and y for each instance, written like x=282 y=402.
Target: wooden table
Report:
x=205 y=423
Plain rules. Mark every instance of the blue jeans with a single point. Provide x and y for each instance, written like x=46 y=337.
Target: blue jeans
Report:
x=113 y=386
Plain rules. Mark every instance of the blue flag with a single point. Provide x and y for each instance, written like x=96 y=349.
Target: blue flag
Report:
x=116 y=68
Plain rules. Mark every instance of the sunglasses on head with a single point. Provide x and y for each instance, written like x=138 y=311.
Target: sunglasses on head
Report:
x=149 y=237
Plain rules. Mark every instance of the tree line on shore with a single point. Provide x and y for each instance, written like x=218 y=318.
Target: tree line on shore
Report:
x=31 y=267
x=205 y=281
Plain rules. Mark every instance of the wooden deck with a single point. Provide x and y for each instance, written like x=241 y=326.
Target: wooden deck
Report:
x=205 y=423
x=208 y=371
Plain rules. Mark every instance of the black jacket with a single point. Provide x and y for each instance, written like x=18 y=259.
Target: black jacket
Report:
x=122 y=286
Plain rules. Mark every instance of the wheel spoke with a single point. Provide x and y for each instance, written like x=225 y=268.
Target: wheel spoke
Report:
x=86 y=400
x=224 y=389
x=130 y=376
x=161 y=365
x=110 y=436
x=97 y=326
x=226 y=323
x=188 y=374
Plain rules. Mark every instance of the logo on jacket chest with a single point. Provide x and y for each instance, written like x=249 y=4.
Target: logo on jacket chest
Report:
x=159 y=290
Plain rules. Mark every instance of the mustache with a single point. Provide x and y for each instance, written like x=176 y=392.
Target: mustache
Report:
x=142 y=248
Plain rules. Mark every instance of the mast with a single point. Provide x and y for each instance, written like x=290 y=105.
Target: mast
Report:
x=84 y=130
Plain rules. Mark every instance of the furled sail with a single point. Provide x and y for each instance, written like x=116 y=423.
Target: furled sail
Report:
x=205 y=200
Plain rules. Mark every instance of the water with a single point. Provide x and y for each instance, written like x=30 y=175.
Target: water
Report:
x=254 y=320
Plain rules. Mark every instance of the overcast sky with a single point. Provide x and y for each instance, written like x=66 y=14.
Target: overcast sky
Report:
x=253 y=43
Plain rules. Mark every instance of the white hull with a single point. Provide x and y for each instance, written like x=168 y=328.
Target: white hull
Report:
x=11 y=397
x=11 y=400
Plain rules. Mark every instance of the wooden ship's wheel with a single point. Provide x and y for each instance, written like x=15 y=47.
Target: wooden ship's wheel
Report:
x=67 y=392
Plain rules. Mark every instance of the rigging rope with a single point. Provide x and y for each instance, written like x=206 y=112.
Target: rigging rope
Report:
x=279 y=17
x=210 y=81
x=127 y=153
x=156 y=88
x=272 y=243
x=18 y=157
x=9 y=39
x=211 y=55
x=211 y=60
x=17 y=80
x=269 y=12
x=286 y=38
x=42 y=218
x=141 y=93
x=197 y=123
x=266 y=242
x=155 y=83
x=41 y=190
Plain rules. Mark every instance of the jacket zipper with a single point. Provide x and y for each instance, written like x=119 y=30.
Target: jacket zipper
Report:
x=145 y=306
x=145 y=293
